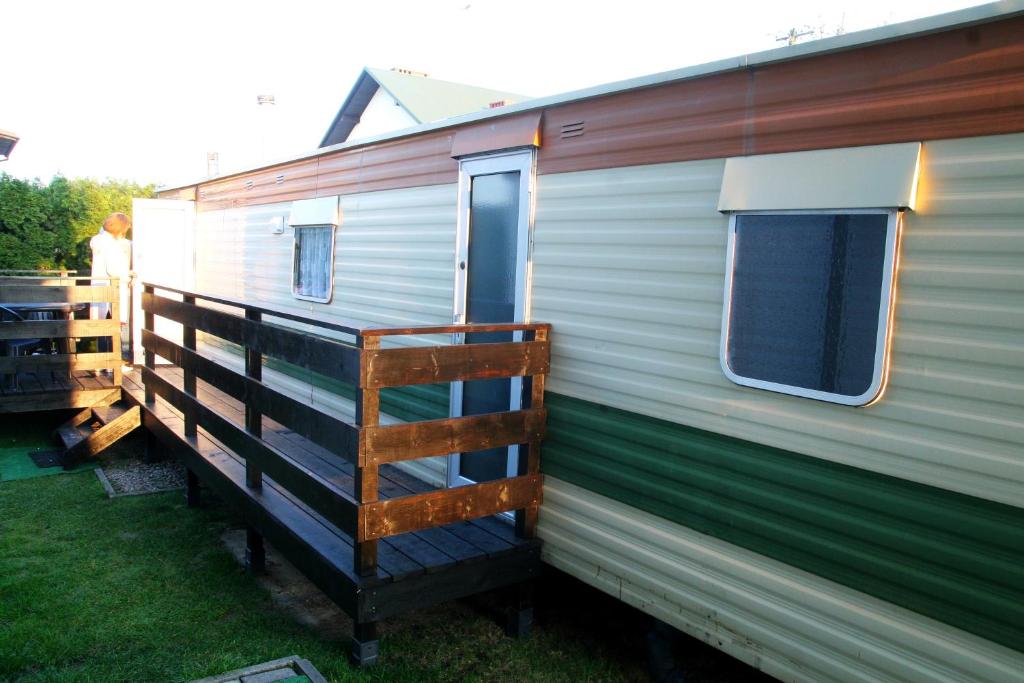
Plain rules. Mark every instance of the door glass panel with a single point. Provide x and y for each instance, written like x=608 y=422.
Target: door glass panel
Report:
x=490 y=298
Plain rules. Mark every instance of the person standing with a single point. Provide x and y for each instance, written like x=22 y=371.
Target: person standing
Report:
x=111 y=258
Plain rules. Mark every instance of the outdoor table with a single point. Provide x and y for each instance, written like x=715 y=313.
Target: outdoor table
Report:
x=65 y=310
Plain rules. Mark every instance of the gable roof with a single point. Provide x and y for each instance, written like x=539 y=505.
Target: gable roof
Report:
x=7 y=143
x=425 y=99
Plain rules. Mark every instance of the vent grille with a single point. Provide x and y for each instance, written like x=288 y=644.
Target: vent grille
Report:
x=572 y=130
x=248 y=184
x=278 y=179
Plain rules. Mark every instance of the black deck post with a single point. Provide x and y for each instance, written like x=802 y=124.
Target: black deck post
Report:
x=191 y=489
x=365 y=643
x=365 y=640
x=519 y=614
x=255 y=553
x=188 y=341
x=253 y=417
x=529 y=456
x=150 y=357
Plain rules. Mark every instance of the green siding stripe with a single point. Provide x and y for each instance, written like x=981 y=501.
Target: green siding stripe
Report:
x=951 y=557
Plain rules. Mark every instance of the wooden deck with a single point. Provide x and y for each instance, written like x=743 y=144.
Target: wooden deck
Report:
x=400 y=558
x=47 y=314
x=327 y=492
x=54 y=390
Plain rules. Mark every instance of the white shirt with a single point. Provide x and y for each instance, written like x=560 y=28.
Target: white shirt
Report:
x=111 y=257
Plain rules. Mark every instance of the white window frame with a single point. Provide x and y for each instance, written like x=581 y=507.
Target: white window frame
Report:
x=330 y=282
x=886 y=310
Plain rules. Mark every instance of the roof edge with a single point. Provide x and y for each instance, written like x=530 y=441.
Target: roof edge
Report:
x=980 y=14
x=363 y=75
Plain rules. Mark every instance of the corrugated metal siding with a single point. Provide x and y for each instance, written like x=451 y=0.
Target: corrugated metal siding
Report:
x=951 y=557
x=789 y=623
x=394 y=264
x=275 y=184
x=409 y=163
x=421 y=160
x=945 y=85
x=629 y=268
x=394 y=257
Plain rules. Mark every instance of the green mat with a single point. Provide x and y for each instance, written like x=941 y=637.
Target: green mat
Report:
x=23 y=434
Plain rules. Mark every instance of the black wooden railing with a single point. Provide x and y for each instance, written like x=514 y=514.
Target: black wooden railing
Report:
x=365 y=442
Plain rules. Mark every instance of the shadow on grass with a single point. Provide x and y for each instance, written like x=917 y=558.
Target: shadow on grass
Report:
x=143 y=589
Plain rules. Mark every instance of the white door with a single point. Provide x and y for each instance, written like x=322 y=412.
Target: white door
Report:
x=492 y=274
x=163 y=253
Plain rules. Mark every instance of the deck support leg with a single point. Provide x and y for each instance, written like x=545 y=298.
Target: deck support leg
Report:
x=365 y=644
x=519 y=613
x=192 y=494
x=255 y=553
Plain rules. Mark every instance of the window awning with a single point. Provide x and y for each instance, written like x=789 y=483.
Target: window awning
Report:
x=319 y=211
x=880 y=176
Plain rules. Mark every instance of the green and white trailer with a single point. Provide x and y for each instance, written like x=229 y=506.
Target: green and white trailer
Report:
x=786 y=399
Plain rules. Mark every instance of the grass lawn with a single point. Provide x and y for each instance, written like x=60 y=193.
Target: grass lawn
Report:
x=142 y=589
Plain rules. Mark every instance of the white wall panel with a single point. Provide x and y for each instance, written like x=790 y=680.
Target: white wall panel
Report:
x=394 y=265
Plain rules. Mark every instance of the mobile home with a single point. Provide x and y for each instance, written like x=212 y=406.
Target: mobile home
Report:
x=786 y=395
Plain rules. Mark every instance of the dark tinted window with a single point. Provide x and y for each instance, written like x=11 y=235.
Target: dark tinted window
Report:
x=806 y=291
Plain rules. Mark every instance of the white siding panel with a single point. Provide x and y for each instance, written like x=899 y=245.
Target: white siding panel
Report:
x=629 y=268
x=786 y=622
x=394 y=265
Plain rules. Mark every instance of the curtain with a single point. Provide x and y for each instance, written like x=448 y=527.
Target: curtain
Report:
x=314 y=261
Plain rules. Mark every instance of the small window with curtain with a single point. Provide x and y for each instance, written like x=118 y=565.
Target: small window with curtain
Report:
x=808 y=302
x=313 y=263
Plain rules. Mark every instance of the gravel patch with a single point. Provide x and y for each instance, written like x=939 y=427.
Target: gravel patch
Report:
x=132 y=477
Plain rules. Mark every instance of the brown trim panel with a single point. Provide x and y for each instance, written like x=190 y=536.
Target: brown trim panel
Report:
x=284 y=183
x=522 y=130
x=411 y=162
x=959 y=83
x=187 y=193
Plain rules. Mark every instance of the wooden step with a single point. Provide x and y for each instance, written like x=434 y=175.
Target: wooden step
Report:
x=125 y=423
x=107 y=414
x=70 y=434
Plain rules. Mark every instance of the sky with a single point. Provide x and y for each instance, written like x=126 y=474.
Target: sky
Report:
x=143 y=91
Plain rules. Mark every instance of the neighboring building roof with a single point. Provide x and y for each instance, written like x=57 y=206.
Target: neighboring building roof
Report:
x=7 y=143
x=993 y=11
x=425 y=99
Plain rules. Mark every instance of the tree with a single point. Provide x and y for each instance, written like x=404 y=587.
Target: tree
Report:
x=49 y=226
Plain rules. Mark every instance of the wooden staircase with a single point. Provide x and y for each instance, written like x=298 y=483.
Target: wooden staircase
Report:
x=94 y=429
